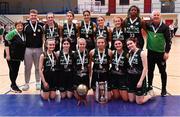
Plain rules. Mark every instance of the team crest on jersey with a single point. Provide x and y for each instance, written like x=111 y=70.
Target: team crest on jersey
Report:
x=137 y=23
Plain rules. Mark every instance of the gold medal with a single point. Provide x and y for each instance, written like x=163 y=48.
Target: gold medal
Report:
x=81 y=73
x=117 y=68
x=100 y=66
x=34 y=34
x=82 y=68
x=52 y=69
x=132 y=27
x=65 y=66
x=87 y=36
x=155 y=36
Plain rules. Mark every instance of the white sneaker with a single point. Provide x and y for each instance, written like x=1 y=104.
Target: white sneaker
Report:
x=38 y=86
x=25 y=87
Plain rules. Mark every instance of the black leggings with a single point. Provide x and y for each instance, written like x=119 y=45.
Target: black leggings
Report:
x=156 y=58
x=13 y=70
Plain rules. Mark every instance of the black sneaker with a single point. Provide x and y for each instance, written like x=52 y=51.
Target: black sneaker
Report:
x=163 y=92
x=15 y=89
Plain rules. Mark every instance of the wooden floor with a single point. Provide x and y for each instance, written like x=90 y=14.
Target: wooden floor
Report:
x=173 y=71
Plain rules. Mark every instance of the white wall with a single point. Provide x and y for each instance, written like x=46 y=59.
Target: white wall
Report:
x=177 y=6
x=156 y=4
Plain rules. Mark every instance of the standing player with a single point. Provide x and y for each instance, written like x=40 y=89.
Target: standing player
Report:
x=117 y=32
x=52 y=31
x=133 y=25
x=48 y=71
x=103 y=31
x=86 y=30
x=69 y=30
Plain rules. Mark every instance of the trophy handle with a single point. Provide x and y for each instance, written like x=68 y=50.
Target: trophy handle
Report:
x=97 y=91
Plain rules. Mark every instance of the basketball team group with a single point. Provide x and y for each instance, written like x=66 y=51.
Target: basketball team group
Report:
x=66 y=56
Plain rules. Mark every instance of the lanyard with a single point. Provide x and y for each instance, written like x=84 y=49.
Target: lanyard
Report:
x=69 y=30
x=101 y=59
x=118 y=33
x=132 y=58
x=21 y=36
x=51 y=31
x=155 y=30
x=100 y=33
x=87 y=27
x=51 y=59
x=82 y=59
x=66 y=58
x=118 y=59
x=33 y=27
x=132 y=21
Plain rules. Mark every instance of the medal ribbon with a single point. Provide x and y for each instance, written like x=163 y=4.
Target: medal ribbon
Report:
x=33 y=27
x=101 y=59
x=69 y=30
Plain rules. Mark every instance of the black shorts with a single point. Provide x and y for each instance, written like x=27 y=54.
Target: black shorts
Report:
x=65 y=81
x=80 y=80
x=99 y=77
x=118 y=82
x=51 y=79
x=132 y=83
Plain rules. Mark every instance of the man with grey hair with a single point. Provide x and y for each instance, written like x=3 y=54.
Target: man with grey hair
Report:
x=158 y=46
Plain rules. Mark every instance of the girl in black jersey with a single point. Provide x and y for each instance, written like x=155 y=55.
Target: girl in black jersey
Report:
x=69 y=30
x=65 y=79
x=52 y=30
x=86 y=30
x=101 y=56
x=118 y=75
x=81 y=65
x=48 y=71
x=117 y=33
x=137 y=71
x=133 y=26
x=102 y=30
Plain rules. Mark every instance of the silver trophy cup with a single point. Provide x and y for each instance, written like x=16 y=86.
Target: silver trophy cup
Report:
x=101 y=92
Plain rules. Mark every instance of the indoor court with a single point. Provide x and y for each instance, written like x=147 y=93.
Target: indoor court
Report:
x=29 y=103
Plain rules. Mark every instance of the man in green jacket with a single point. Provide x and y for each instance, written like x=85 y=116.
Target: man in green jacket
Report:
x=158 y=45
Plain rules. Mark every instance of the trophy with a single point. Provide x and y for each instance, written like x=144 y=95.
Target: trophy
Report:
x=101 y=92
x=82 y=91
